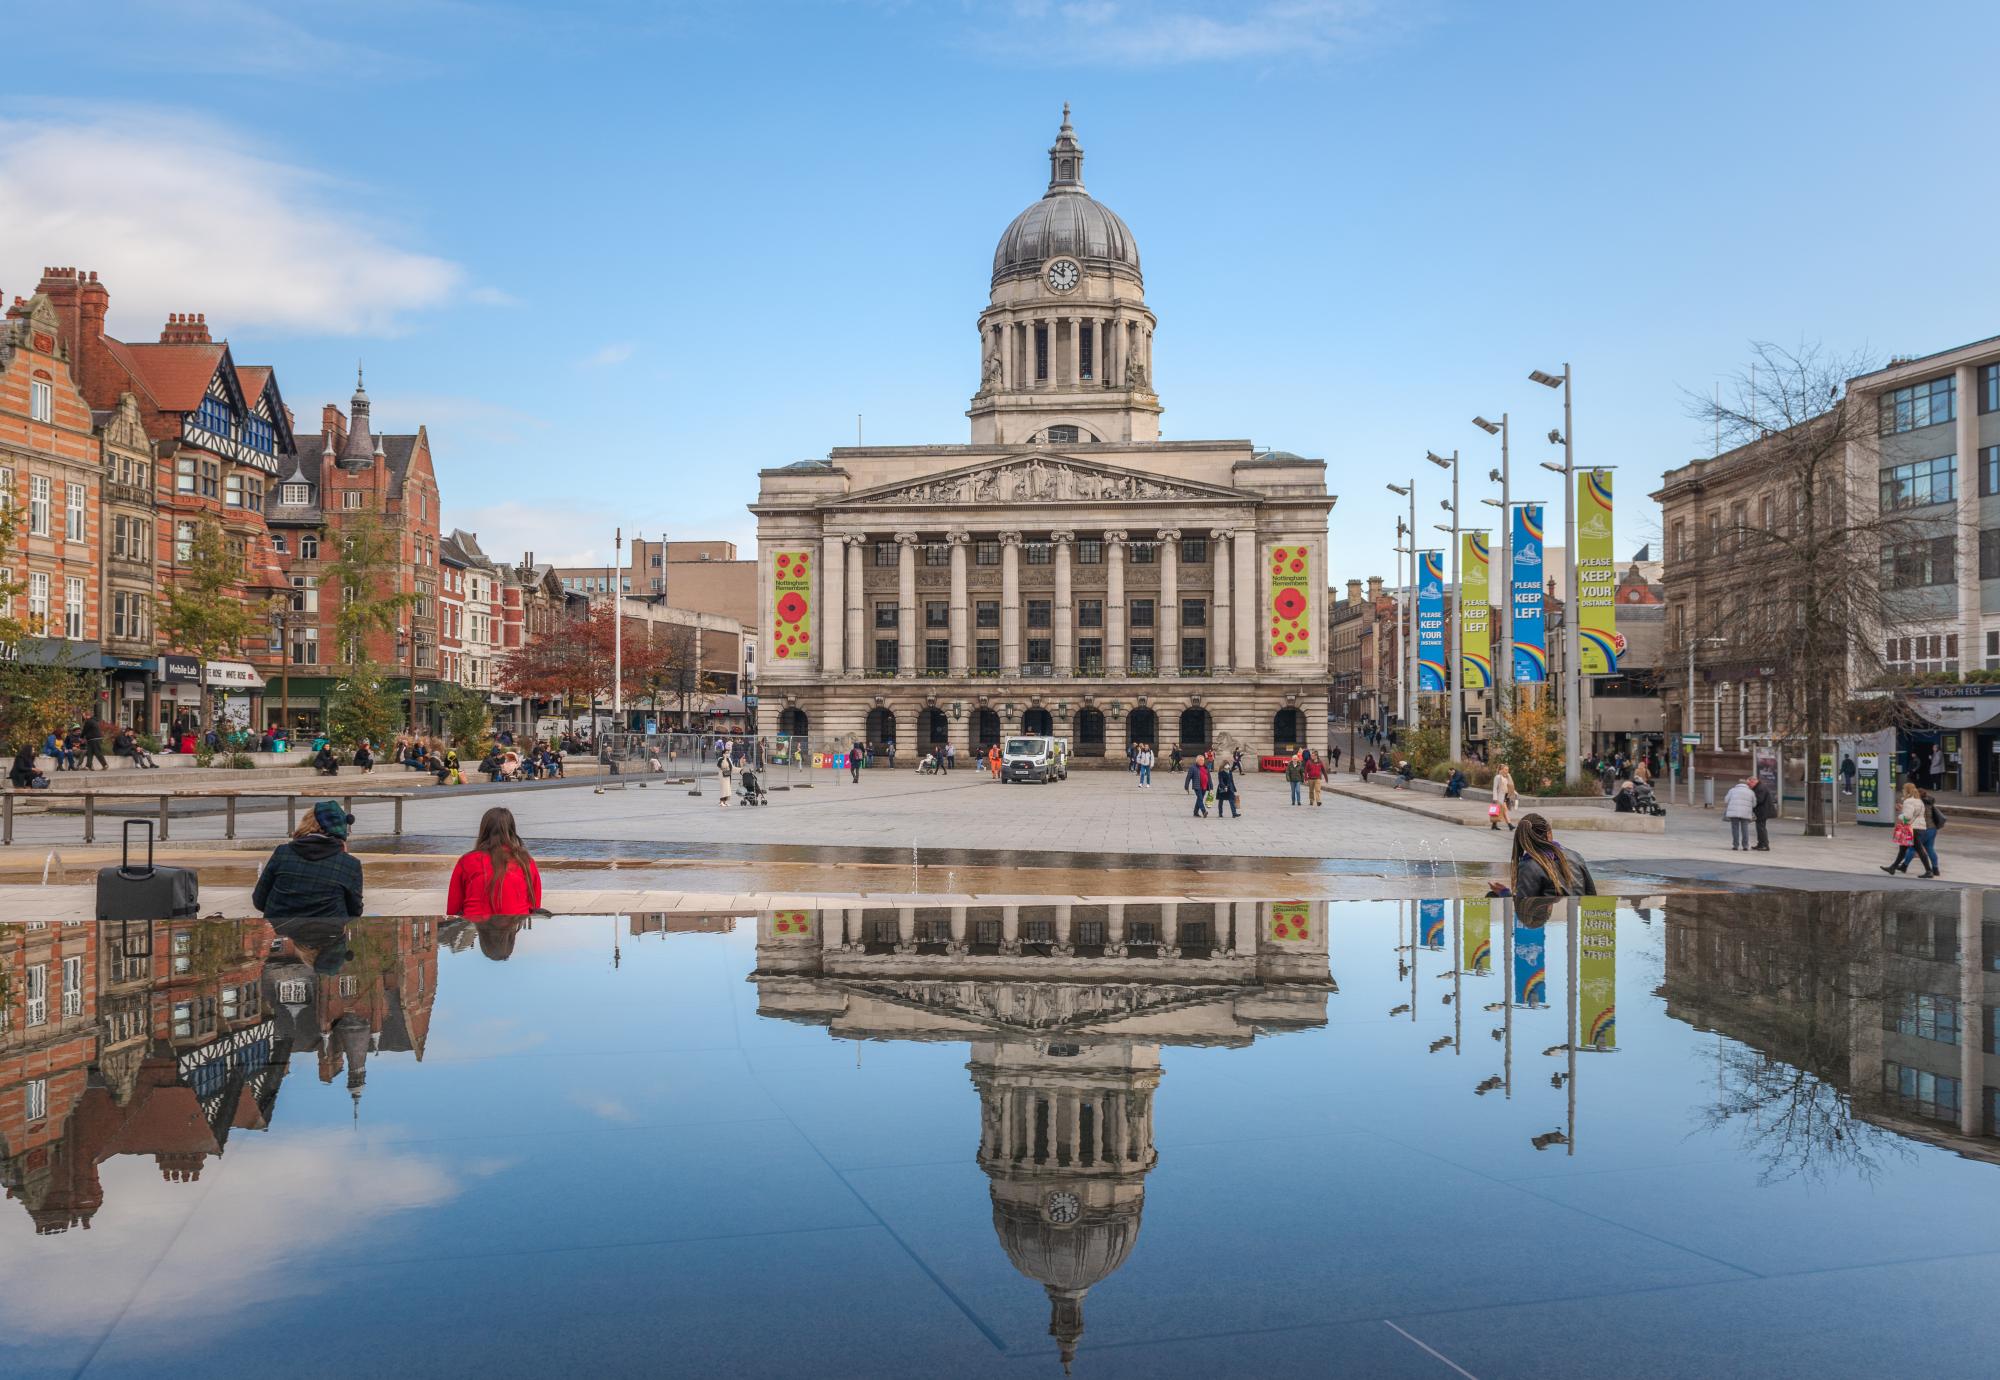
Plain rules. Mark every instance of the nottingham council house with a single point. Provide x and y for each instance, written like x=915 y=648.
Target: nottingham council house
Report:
x=1066 y=573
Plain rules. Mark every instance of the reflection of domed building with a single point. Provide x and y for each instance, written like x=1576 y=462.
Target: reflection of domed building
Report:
x=1065 y=1008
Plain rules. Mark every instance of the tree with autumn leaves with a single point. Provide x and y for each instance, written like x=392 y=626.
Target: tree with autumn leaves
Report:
x=574 y=665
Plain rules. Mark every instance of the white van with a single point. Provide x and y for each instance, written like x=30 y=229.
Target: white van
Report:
x=1036 y=759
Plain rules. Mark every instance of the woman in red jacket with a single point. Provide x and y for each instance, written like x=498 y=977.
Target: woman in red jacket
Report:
x=497 y=877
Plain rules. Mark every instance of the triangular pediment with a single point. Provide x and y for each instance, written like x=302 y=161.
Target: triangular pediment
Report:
x=1040 y=476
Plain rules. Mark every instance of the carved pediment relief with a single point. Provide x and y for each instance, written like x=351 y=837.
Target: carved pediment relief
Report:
x=1044 y=1008
x=1040 y=478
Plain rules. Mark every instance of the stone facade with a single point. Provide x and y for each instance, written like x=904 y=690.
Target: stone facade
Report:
x=1067 y=572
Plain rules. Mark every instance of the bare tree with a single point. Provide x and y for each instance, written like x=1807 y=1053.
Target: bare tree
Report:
x=1809 y=586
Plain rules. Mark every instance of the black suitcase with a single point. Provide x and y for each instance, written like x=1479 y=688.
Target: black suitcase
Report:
x=126 y=892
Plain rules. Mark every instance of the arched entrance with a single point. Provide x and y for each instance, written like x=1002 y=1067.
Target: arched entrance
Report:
x=933 y=729
x=793 y=722
x=1288 y=730
x=881 y=727
x=1089 y=732
x=1194 y=729
x=1142 y=725
x=1039 y=722
x=985 y=729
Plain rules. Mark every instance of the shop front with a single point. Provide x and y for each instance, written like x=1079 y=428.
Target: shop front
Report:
x=127 y=696
x=1954 y=746
x=235 y=689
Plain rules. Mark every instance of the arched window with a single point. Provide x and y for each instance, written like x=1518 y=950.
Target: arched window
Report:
x=1194 y=728
x=985 y=728
x=1089 y=732
x=793 y=723
x=933 y=729
x=1288 y=730
x=881 y=727
x=1038 y=722
x=1142 y=725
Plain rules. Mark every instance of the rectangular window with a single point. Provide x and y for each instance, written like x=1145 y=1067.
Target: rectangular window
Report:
x=1926 y=1015
x=885 y=555
x=1040 y=613
x=38 y=505
x=886 y=652
x=1089 y=551
x=1194 y=613
x=211 y=478
x=38 y=1093
x=1142 y=613
x=1194 y=653
x=73 y=499
x=1145 y=552
x=1194 y=551
x=232 y=491
x=41 y=401
x=184 y=475
x=986 y=553
x=986 y=614
x=37 y=995
x=295 y=495
x=1041 y=651
x=184 y=541
x=1920 y=483
x=1919 y=564
x=1086 y=342
x=305 y=594
x=1090 y=654
x=1090 y=613
x=1919 y=405
x=1039 y=552
x=937 y=613
x=1927 y=1094
x=1142 y=656
x=38 y=601
x=72 y=623
x=886 y=616
x=936 y=553
x=352 y=498
x=987 y=654
x=1989 y=555
x=6 y=491
x=1679 y=545
x=937 y=654
x=1989 y=471
x=1989 y=388
x=128 y=614
x=72 y=985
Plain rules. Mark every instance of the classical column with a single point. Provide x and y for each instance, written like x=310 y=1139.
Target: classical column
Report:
x=1114 y=928
x=1065 y=659
x=1076 y=352
x=1221 y=632
x=1010 y=604
x=906 y=603
x=1245 y=594
x=1010 y=929
x=857 y=636
x=1167 y=621
x=1246 y=929
x=1002 y=338
x=1114 y=603
x=958 y=928
x=832 y=607
x=959 y=664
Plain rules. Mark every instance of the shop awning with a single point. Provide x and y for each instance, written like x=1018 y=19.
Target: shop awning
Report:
x=234 y=675
x=1958 y=711
x=725 y=704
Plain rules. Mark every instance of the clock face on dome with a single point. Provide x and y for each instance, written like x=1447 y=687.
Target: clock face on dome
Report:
x=1062 y=1208
x=1063 y=275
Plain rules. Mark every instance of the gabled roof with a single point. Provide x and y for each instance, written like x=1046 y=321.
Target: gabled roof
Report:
x=398 y=450
x=175 y=377
x=252 y=378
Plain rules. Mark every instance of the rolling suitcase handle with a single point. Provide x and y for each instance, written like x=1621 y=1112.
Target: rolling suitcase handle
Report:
x=125 y=860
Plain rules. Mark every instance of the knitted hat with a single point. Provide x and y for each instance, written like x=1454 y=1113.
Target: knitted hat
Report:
x=334 y=822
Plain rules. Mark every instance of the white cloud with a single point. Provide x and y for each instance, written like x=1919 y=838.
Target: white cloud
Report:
x=454 y=419
x=1138 y=33
x=492 y=297
x=558 y=534
x=285 y=247
x=615 y=353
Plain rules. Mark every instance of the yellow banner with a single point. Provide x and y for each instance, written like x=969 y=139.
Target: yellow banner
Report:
x=791 y=605
x=1596 y=575
x=1291 y=600
x=1476 y=935
x=1475 y=611
x=1597 y=971
x=1291 y=922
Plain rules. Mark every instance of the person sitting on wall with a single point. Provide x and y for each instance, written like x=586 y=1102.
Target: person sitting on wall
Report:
x=24 y=775
x=326 y=764
x=125 y=745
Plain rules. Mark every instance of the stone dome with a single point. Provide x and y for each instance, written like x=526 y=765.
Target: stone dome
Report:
x=1067 y=220
x=1065 y=1258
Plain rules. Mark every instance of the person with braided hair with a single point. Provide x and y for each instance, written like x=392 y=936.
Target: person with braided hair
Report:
x=1543 y=867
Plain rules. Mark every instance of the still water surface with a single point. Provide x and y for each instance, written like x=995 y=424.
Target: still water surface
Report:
x=1709 y=1135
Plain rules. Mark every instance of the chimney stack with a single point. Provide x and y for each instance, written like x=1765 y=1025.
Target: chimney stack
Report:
x=1374 y=587
x=185 y=328
x=1354 y=591
x=81 y=304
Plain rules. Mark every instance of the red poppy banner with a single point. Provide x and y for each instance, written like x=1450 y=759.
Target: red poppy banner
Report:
x=1291 y=599
x=791 y=605
x=795 y=924
x=1291 y=922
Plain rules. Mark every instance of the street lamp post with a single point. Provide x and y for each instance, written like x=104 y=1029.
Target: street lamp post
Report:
x=1687 y=712
x=1454 y=676
x=1406 y=699
x=1572 y=624
x=1503 y=665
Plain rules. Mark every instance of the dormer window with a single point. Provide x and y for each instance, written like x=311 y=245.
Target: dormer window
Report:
x=297 y=495
x=213 y=416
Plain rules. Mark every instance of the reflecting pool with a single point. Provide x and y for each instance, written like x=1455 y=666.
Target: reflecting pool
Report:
x=1688 y=1135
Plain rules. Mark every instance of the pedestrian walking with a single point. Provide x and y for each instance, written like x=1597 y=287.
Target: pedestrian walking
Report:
x=950 y=756
x=1315 y=776
x=1143 y=759
x=1335 y=755
x=1199 y=781
x=93 y=744
x=1739 y=807
x=1295 y=774
x=1910 y=815
x=1847 y=774
x=497 y=877
x=854 y=762
x=312 y=876
x=1225 y=791
x=1767 y=810
x=1501 y=811
x=993 y=760
x=1927 y=833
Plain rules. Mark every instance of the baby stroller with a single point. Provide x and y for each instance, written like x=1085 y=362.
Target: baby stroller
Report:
x=1644 y=802
x=749 y=790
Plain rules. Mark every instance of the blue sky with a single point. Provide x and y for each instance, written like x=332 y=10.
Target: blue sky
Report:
x=620 y=256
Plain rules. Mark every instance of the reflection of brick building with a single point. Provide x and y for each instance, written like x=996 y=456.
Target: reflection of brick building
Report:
x=381 y=1001
x=48 y=975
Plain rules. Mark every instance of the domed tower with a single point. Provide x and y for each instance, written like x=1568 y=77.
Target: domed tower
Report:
x=1066 y=1140
x=1066 y=341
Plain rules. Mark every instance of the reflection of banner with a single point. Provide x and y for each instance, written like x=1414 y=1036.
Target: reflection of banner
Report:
x=1531 y=648
x=1596 y=574
x=1291 y=922
x=1475 y=614
x=1432 y=913
x=1476 y=934
x=1430 y=620
x=797 y=923
x=791 y=605
x=1291 y=600
x=1531 y=971
x=1597 y=971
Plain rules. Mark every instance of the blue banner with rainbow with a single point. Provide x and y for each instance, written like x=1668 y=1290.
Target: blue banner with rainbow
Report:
x=1430 y=621
x=1524 y=587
